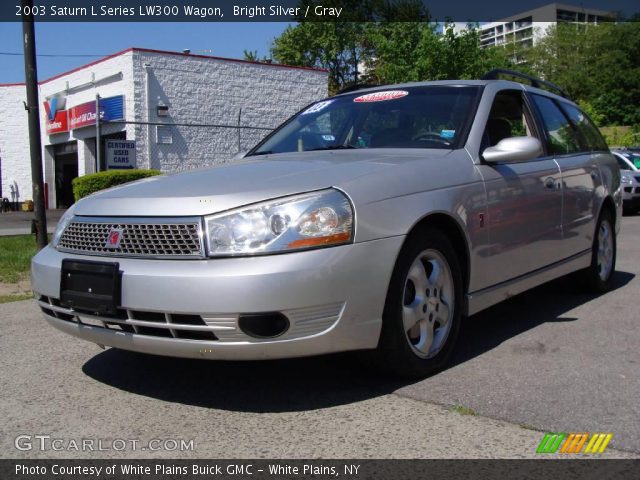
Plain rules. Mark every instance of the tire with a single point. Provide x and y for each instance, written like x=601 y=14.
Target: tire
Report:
x=598 y=277
x=422 y=312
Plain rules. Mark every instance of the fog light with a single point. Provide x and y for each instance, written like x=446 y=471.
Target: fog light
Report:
x=263 y=325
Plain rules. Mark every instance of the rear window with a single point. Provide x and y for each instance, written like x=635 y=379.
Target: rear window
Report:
x=590 y=134
x=561 y=134
x=410 y=117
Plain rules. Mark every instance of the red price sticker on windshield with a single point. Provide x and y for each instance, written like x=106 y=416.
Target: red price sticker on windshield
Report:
x=381 y=96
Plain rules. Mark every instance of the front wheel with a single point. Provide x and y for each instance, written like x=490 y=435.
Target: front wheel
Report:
x=598 y=277
x=422 y=312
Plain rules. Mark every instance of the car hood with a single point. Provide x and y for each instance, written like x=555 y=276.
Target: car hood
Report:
x=216 y=189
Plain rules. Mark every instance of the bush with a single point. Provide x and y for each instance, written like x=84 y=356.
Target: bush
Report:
x=83 y=186
x=621 y=136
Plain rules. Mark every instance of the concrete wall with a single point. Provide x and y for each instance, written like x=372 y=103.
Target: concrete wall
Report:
x=15 y=163
x=210 y=91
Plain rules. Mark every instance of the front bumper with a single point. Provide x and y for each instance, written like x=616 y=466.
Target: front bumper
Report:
x=333 y=298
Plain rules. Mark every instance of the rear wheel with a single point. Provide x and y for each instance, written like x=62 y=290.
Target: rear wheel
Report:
x=422 y=312
x=598 y=277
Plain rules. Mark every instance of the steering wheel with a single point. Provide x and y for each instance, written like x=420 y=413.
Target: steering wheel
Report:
x=431 y=137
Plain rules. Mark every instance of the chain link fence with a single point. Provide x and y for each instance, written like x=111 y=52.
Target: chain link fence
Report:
x=174 y=146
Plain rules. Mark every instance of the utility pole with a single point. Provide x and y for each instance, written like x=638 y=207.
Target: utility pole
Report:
x=98 y=140
x=33 y=112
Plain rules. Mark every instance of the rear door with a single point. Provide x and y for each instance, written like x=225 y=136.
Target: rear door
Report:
x=565 y=129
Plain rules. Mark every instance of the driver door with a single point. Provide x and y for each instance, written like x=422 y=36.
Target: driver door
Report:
x=524 y=199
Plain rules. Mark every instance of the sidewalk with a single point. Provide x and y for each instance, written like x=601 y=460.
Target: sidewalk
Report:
x=19 y=223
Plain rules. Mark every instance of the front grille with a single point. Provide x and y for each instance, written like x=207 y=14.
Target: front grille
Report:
x=628 y=189
x=153 y=324
x=138 y=237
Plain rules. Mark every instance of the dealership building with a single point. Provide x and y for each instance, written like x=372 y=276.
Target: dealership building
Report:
x=158 y=109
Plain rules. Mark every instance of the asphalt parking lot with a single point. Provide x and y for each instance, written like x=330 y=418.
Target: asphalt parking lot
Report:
x=552 y=359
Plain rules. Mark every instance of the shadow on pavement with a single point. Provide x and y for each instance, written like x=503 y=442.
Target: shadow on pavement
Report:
x=546 y=303
x=326 y=381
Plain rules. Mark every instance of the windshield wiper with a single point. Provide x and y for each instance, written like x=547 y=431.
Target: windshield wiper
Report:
x=332 y=147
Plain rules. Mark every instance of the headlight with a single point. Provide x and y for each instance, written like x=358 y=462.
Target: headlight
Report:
x=64 y=221
x=311 y=220
x=626 y=179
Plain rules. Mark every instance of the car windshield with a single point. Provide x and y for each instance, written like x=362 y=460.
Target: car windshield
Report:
x=407 y=117
x=633 y=158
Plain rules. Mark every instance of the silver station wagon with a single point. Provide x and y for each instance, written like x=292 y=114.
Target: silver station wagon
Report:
x=371 y=220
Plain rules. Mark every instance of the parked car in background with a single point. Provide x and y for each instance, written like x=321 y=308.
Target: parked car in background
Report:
x=629 y=163
x=371 y=220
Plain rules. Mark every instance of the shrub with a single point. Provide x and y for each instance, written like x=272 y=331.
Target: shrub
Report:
x=83 y=186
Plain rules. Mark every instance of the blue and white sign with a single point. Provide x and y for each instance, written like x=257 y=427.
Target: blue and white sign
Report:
x=121 y=154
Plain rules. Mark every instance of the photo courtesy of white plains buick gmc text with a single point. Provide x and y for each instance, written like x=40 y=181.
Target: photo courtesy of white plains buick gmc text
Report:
x=372 y=220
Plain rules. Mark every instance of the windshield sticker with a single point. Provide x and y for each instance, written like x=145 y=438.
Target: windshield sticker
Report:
x=381 y=96
x=328 y=138
x=449 y=134
x=317 y=107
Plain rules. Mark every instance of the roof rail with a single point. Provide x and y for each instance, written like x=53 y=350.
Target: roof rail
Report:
x=357 y=86
x=535 y=82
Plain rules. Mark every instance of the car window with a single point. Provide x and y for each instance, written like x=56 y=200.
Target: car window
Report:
x=509 y=117
x=591 y=136
x=410 y=117
x=633 y=158
x=622 y=164
x=561 y=134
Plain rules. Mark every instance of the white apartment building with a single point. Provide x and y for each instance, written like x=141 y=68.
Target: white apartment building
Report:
x=525 y=29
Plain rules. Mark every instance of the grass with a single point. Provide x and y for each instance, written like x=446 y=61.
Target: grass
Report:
x=15 y=257
x=15 y=298
x=462 y=410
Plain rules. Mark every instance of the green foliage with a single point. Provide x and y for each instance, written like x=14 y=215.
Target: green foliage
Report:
x=345 y=47
x=415 y=52
x=621 y=136
x=598 y=65
x=15 y=257
x=17 y=297
x=251 y=55
x=88 y=184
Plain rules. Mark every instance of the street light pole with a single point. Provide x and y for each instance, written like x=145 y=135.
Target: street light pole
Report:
x=33 y=112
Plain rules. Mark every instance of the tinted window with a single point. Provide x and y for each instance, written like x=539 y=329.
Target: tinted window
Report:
x=413 y=117
x=561 y=134
x=633 y=158
x=589 y=132
x=622 y=164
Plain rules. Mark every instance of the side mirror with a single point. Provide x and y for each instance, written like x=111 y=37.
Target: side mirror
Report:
x=513 y=150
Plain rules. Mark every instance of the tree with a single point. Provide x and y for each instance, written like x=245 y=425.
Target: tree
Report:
x=251 y=55
x=344 y=47
x=598 y=66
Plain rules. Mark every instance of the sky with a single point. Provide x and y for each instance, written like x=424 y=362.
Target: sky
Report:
x=100 y=39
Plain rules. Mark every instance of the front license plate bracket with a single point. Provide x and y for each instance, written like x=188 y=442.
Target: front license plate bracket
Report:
x=90 y=286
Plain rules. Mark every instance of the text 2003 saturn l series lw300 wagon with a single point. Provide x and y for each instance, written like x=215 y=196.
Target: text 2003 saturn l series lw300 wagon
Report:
x=374 y=219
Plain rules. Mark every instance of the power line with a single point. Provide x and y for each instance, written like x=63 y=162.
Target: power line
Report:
x=56 y=55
